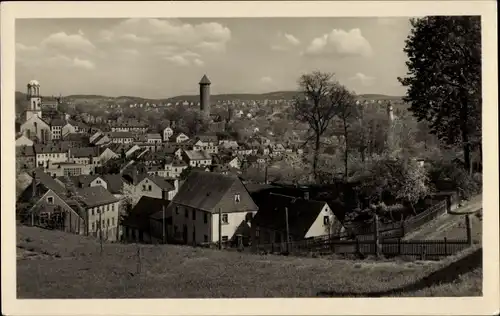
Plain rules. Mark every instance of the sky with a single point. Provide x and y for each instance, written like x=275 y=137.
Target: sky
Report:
x=160 y=58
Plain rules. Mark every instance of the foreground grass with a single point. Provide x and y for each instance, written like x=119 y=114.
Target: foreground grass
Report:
x=57 y=265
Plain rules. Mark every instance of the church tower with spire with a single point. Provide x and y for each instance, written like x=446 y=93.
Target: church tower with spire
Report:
x=33 y=95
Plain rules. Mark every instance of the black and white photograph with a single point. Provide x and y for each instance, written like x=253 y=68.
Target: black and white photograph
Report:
x=250 y=157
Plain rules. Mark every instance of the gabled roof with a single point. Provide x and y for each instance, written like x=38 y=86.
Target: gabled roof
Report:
x=78 y=124
x=47 y=181
x=25 y=151
x=85 y=152
x=57 y=122
x=204 y=80
x=114 y=181
x=76 y=137
x=197 y=155
x=120 y=135
x=81 y=181
x=51 y=148
x=95 y=196
x=301 y=213
x=144 y=209
x=153 y=136
x=161 y=182
x=207 y=138
x=204 y=190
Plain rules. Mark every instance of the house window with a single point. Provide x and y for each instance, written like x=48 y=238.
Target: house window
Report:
x=50 y=200
x=224 y=238
x=149 y=188
x=237 y=198
x=107 y=222
x=143 y=187
x=194 y=215
x=205 y=218
x=257 y=231
x=177 y=210
x=326 y=220
x=186 y=213
x=205 y=238
x=93 y=226
x=92 y=210
x=225 y=219
x=98 y=181
x=113 y=221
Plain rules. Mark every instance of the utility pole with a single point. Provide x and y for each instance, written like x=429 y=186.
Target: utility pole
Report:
x=287 y=230
x=100 y=229
x=265 y=173
x=163 y=221
x=220 y=228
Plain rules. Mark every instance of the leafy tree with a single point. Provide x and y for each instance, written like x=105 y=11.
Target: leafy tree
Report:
x=444 y=78
x=320 y=100
x=185 y=173
x=402 y=178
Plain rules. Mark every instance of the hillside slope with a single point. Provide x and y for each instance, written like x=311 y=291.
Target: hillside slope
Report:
x=52 y=264
x=277 y=95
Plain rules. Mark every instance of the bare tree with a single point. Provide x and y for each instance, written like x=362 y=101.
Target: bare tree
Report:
x=319 y=102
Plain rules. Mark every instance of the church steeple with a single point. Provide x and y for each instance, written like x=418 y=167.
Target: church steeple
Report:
x=33 y=95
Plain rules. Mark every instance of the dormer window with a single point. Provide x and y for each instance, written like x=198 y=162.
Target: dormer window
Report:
x=237 y=198
x=50 y=200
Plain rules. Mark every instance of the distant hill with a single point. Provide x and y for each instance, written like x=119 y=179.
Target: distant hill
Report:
x=277 y=95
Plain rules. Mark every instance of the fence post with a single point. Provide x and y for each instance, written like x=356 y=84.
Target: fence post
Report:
x=138 y=260
x=469 y=229
x=399 y=247
x=358 y=249
x=377 y=237
x=445 y=246
x=422 y=253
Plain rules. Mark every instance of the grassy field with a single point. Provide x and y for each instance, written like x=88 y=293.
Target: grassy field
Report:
x=56 y=265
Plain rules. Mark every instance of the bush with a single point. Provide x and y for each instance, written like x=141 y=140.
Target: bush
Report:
x=449 y=175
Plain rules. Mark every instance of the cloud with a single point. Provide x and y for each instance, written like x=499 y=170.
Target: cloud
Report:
x=198 y=62
x=285 y=42
x=58 y=61
x=21 y=48
x=134 y=38
x=170 y=32
x=62 y=42
x=266 y=80
x=82 y=63
x=178 y=60
x=292 y=39
x=340 y=43
x=363 y=79
x=130 y=51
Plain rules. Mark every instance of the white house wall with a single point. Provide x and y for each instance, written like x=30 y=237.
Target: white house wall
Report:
x=318 y=228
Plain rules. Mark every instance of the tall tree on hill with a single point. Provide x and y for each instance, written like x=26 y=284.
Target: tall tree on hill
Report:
x=444 y=78
x=320 y=100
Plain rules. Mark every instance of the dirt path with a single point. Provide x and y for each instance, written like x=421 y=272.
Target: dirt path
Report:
x=439 y=227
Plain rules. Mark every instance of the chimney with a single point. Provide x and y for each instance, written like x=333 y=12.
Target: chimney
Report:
x=306 y=195
x=134 y=176
x=33 y=185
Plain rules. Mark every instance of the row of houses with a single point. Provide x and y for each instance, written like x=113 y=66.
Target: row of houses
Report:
x=205 y=208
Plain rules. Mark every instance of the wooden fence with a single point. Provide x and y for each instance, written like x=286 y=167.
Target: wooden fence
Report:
x=419 y=248
x=400 y=229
